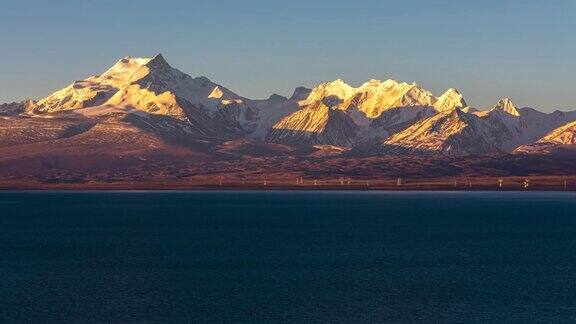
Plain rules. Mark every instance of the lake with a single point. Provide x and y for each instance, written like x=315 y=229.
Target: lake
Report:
x=287 y=256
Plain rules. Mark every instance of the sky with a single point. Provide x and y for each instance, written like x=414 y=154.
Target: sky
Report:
x=487 y=49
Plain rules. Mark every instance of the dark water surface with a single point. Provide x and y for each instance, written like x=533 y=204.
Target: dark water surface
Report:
x=287 y=257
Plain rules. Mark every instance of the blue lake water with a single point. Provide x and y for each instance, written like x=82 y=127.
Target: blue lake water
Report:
x=287 y=257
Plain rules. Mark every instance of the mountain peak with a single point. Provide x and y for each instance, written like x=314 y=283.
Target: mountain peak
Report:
x=452 y=91
x=450 y=100
x=300 y=93
x=126 y=64
x=158 y=61
x=337 y=89
x=506 y=105
x=133 y=59
x=338 y=83
x=374 y=83
x=277 y=97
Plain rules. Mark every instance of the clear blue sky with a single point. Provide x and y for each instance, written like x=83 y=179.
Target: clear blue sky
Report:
x=488 y=49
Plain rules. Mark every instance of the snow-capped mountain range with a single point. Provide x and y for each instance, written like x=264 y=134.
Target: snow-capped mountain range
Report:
x=380 y=117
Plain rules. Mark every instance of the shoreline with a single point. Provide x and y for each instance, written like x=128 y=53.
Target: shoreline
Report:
x=536 y=183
